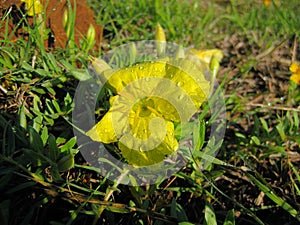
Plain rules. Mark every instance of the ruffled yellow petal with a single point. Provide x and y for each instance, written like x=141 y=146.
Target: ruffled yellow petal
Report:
x=33 y=6
x=187 y=76
x=206 y=55
x=139 y=156
x=295 y=68
x=103 y=131
x=112 y=125
x=295 y=78
x=121 y=78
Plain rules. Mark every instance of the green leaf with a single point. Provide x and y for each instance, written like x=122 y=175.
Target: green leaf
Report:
x=255 y=140
x=9 y=141
x=4 y=212
x=275 y=198
x=56 y=106
x=117 y=209
x=230 y=219
x=51 y=62
x=280 y=129
x=44 y=135
x=69 y=145
x=209 y=215
x=53 y=149
x=26 y=66
x=264 y=125
x=22 y=117
x=42 y=72
x=37 y=123
x=65 y=163
x=80 y=75
x=35 y=140
x=177 y=211
x=199 y=135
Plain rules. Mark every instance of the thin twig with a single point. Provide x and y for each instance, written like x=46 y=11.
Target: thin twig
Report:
x=294 y=55
x=274 y=107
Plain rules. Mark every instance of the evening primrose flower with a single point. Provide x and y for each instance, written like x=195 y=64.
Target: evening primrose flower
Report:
x=149 y=99
x=207 y=55
x=34 y=7
x=207 y=60
x=295 y=69
x=267 y=2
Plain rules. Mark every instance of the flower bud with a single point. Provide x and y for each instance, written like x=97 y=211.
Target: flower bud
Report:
x=65 y=19
x=159 y=33
x=99 y=65
x=90 y=36
x=160 y=39
x=132 y=53
x=180 y=53
x=214 y=64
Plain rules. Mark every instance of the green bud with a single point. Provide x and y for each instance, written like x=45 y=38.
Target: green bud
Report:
x=214 y=64
x=90 y=36
x=65 y=19
x=160 y=33
x=132 y=53
x=180 y=53
x=160 y=39
x=99 y=65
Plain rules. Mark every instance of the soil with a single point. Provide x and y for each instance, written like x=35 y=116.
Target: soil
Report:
x=54 y=21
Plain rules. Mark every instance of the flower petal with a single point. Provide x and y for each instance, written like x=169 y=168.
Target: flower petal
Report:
x=295 y=68
x=125 y=76
x=103 y=131
x=166 y=109
x=138 y=156
x=188 y=77
x=295 y=78
x=33 y=6
x=207 y=55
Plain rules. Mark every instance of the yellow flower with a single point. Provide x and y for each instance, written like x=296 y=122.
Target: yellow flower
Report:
x=207 y=60
x=207 y=55
x=33 y=6
x=295 y=77
x=150 y=98
x=267 y=2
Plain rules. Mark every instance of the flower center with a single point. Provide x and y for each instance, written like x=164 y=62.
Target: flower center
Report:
x=144 y=107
